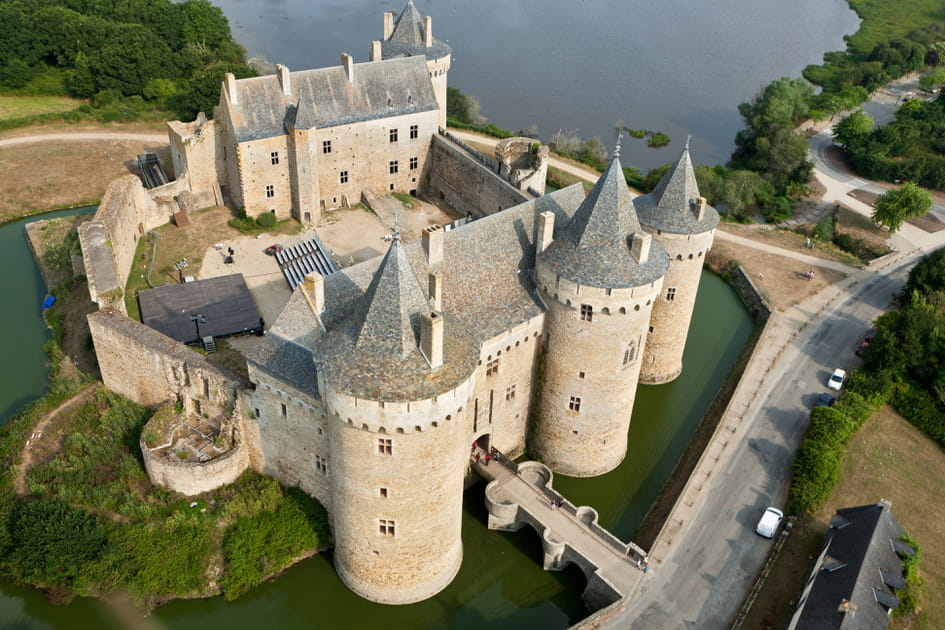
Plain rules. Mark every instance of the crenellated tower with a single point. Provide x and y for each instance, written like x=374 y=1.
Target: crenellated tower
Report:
x=412 y=35
x=395 y=378
x=679 y=218
x=598 y=277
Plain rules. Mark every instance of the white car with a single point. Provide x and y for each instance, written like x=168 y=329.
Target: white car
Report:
x=836 y=379
x=770 y=520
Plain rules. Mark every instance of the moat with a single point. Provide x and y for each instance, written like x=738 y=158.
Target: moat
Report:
x=501 y=581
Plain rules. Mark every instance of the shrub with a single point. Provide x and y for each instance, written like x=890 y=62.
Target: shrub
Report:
x=910 y=593
x=824 y=230
x=266 y=220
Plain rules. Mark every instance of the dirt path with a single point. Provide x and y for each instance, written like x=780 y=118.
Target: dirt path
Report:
x=26 y=455
x=85 y=137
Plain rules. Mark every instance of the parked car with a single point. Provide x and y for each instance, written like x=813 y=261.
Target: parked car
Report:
x=825 y=400
x=272 y=250
x=836 y=379
x=869 y=335
x=769 y=523
x=862 y=347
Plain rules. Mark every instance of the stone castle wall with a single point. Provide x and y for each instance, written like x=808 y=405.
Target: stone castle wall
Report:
x=467 y=185
x=672 y=309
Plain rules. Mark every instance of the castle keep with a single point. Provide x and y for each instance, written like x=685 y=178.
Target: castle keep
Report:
x=528 y=328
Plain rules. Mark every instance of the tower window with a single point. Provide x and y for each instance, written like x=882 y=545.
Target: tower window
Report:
x=393 y=135
x=630 y=354
x=284 y=410
x=582 y=375
x=326 y=146
x=670 y=294
x=385 y=527
x=587 y=313
x=382 y=493
x=393 y=167
x=414 y=162
x=270 y=191
x=492 y=367
x=414 y=132
x=385 y=446
x=510 y=393
x=343 y=177
x=321 y=464
x=574 y=404
x=274 y=157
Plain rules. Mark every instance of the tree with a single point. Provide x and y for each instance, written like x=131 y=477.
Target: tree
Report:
x=933 y=79
x=928 y=276
x=896 y=205
x=854 y=129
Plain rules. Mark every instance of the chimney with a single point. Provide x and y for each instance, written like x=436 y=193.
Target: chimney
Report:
x=546 y=228
x=315 y=291
x=428 y=31
x=285 y=79
x=388 y=25
x=699 y=207
x=347 y=61
x=435 y=286
x=640 y=247
x=431 y=338
x=376 y=54
x=432 y=239
x=230 y=80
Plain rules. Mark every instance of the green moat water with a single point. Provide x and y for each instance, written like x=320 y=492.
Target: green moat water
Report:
x=500 y=585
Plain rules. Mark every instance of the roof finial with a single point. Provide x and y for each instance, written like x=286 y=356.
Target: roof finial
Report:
x=617 y=143
x=395 y=235
x=688 y=138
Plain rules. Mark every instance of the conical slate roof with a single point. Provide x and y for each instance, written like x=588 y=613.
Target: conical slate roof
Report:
x=671 y=207
x=408 y=38
x=594 y=247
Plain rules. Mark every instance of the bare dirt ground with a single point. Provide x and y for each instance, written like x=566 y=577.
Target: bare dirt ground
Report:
x=785 y=239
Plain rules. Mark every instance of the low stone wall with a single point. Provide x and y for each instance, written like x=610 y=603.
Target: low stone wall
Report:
x=466 y=183
x=750 y=296
x=191 y=478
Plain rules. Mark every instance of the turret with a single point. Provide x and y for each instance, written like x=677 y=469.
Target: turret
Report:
x=681 y=220
x=395 y=377
x=599 y=278
x=412 y=35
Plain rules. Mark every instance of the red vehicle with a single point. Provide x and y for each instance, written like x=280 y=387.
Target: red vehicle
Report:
x=272 y=250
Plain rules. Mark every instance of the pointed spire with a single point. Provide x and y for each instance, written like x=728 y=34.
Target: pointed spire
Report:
x=617 y=144
x=393 y=304
x=678 y=188
x=409 y=26
x=606 y=214
x=674 y=205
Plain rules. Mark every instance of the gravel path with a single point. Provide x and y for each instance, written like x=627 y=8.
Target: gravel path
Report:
x=84 y=137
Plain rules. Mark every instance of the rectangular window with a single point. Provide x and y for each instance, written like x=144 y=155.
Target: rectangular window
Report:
x=393 y=167
x=574 y=404
x=326 y=146
x=385 y=527
x=343 y=177
x=284 y=410
x=321 y=464
x=510 y=393
x=382 y=493
x=492 y=367
x=671 y=294
x=581 y=375
x=414 y=132
x=385 y=446
x=270 y=191
x=414 y=162
x=393 y=135
x=630 y=353
x=587 y=313
x=274 y=157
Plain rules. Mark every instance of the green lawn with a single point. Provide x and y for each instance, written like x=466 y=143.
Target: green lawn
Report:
x=22 y=106
x=884 y=20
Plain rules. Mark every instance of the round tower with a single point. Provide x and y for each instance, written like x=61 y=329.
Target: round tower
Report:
x=399 y=449
x=681 y=220
x=599 y=279
x=412 y=35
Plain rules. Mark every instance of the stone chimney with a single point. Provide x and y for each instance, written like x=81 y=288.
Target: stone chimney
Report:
x=315 y=291
x=347 y=61
x=230 y=81
x=428 y=31
x=388 y=25
x=432 y=240
x=698 y=207
x=285 y=79
x=431 y=338
x=376 y=54
x=546 y=229
x=640 y=247
x=435 y=286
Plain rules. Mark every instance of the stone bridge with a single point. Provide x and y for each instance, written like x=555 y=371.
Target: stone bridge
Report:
x=522 y=494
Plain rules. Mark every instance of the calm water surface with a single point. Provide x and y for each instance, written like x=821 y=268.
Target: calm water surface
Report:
x=678 y=66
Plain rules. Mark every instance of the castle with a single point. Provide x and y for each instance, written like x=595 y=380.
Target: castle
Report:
x=528 y=328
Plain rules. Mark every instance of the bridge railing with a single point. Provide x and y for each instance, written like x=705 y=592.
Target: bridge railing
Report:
x=499 y=456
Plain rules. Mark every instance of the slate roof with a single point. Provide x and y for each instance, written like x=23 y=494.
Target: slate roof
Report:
x=325 y=98
x=488 y=288
x=408 y=38
x=670 y=206
x=594 y=247
x=861 y=546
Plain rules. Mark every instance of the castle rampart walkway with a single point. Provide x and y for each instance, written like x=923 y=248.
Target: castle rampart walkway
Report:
x=569 y=534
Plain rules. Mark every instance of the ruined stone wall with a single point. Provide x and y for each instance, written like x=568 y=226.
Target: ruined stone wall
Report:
x=524 y=163
x=595 y=364
x=197 y=156
x=150 y=368
x=467 y=185
x=672 y=310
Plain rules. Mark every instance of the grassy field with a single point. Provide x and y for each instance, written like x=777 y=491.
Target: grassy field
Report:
x=22 y=106
x=887 y=459
x=889 y=19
